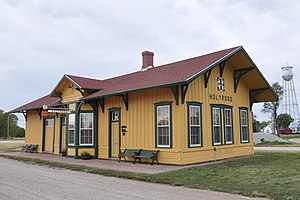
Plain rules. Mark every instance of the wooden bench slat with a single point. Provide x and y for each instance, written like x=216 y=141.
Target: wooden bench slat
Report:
x=153 y=154
x=128 y=153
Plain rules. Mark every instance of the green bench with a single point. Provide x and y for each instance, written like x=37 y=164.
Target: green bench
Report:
x=151 y=154
x=29 y=147
x=129 y=153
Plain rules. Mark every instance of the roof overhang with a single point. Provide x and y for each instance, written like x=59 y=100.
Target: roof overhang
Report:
x=239 y=59
x=63 y=83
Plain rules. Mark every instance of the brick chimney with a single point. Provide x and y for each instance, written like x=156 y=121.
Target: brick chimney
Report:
x=147 y=59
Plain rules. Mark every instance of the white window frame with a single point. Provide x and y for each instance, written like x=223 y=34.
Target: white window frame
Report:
x=225 y=126
x=47 y=122
x=162 y=126
x=220 y=125
x=190 y=126
x=80 y=128
x=244 y=125
x=73 y=129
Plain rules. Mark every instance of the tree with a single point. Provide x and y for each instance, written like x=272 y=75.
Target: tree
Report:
x=263 y=124
x=283 y=121
x=271 y=107
x=14 y=129
x=256 y=124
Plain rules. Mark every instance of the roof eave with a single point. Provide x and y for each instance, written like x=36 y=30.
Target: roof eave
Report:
x=261 y=75
x=211 y=66
x=135 y=90
x=52 y=94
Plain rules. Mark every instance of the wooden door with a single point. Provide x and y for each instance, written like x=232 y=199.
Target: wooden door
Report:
x=63 y=132
x=49 y=135
x=115 y=139
x=114 y=132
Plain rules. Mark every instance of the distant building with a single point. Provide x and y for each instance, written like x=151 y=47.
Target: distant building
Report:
x=295 y=126
x=268 y=129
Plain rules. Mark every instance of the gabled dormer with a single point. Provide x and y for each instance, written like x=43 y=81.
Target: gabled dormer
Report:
x=72 y=88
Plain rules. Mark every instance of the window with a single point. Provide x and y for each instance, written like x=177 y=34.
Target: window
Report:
x=115 y=116
x=217 y=132
x=228 y=126
x=71 y=129
x=244 y=125
x=86 y=128
x=49 y=122
x=163 y=128
x=195 y=126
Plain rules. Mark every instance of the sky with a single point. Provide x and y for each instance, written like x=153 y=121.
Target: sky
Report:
x=40 y=40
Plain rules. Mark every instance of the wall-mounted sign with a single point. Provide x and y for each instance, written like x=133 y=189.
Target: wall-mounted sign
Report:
x=59 y=111
x=221 y=85
x=220 y=97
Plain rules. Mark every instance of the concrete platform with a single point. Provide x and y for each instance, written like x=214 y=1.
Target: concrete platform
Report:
x=109 y=164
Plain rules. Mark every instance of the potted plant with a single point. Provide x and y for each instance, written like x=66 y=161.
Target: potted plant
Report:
x=64 y=152
x=85 y=155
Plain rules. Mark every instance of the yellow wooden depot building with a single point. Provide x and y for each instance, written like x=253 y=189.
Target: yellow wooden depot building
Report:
x=194 y=110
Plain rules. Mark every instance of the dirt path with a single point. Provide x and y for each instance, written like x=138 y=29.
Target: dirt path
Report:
x=23 y=181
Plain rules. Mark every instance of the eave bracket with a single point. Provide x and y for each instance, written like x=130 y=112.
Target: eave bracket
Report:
x=206 y=77
x=175 y=92
x=253 y=94
x=184 y=89
x=238 y=75
x=101 y=102
x=24 y=114
x=125 y=99
x=222 y=66
x=79 y=90
x=39 y=111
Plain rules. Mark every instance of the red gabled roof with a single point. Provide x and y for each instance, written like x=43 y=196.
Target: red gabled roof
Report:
x=37 y=104
x=86 y=83
x=161 y=75
x=164 y=75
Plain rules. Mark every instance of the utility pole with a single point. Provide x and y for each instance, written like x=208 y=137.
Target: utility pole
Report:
x=7 y=126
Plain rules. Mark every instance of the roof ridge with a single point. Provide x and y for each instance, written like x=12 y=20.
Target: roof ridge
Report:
x=197 y=57
x=188 y=59
x=94 y=79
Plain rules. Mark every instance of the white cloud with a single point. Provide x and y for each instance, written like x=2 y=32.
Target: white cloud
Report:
x=43 y=39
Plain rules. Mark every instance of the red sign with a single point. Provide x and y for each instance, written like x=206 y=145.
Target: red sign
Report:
x=44 y=113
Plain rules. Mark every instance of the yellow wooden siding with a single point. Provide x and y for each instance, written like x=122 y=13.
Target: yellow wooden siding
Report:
x=34 y=129
x=197 y=92
x=86 y=107
x=89 y=150
x=140 y=120
x=70 y=94
x=71 y=151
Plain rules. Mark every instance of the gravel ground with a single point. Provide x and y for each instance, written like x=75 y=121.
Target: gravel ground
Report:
x=279 y=149
x=268 y=137
x=23 y=181
x=12 y=141
x=296 y=140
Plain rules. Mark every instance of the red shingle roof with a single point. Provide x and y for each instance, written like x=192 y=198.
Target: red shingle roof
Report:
x=173 y=73
x=161 y=75
x=86 y=83
x=46 y=100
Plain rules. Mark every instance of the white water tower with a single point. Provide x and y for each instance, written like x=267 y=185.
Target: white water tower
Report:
x=289 y=99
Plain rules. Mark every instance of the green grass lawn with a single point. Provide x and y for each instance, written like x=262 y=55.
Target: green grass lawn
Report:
x=278 y=144
x=13 y=138
x=9 y=147
x=289 y=136
x=272 y=175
